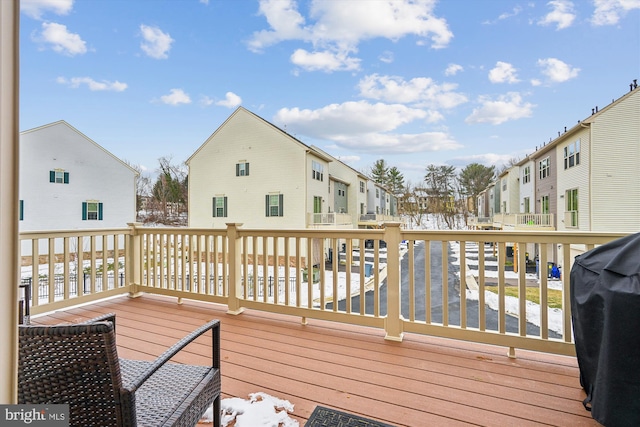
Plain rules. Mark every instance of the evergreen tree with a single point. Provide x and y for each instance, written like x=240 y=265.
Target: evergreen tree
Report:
x=395 y=181
x=380 y=172
x=474 y=179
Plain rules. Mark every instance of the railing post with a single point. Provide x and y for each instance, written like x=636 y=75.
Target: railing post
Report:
x=133 y=264
x=393 y=321
x=235 y=275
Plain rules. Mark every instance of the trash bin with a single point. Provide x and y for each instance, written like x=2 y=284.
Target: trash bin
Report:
x=605 y=302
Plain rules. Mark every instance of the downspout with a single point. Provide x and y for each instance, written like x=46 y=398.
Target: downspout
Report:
x=9 y=195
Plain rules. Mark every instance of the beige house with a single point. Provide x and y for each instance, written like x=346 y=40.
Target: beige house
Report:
x=251 y=172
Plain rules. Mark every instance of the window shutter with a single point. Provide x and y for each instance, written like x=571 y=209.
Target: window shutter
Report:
x=84 y=211
x=225 y=206
x=52 y=176
x=21 y=210
x=214 y=207
x=66 y=177
x=100 y=211
x=237 y=169
x=266 y=203
x=246 y=167
x=280 y=205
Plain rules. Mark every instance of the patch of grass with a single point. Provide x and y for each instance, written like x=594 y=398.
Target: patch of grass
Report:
x=554 y=296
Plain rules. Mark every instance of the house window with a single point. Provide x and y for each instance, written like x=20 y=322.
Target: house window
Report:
x=544 y=168
x=572 y=155
x=21 y=207
x=317 y=204
x=377 y=193
x=571 y=219
x=504 y=184
x=362 y=186
x=59 y=176
x=220 y=207
x=544 y=204
x=317 y=170
x=527 y=205
x=274 y=205
x=242 y=169
x=526 y=175
x=91 y=211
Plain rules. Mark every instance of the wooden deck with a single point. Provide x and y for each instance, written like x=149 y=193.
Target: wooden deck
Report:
x=422 y=381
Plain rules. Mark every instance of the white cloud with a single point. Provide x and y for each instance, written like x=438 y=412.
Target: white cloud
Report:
x=562 y=14
x=390 y=143
x=386 y=57
x=205 y=101
x=339 y=27
x=231 y=100
x=93 y=85
x=324 y=61
x=156 y=43
x=422 y=91
x=349 y=159
x=556 y=70
x=349 y=118
x=453 y=69
x=365 y=127
x=505 y=108
x=36 y=8
x=487 y=159
x=503 y=72
x=506 y=15
x=176 y=97
x=609 y=12
x=61 y=40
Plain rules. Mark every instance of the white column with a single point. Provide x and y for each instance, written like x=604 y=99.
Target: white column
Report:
x=9 y=137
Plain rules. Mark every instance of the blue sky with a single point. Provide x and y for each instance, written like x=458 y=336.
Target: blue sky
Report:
x=413 y=82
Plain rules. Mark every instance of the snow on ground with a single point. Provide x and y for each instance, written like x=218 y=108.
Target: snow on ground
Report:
x=512 y=305
x=260 y=410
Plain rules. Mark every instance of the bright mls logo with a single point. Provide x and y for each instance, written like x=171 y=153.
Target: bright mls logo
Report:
x=34 y=415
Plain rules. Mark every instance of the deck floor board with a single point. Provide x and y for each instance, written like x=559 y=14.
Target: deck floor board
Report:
x=420 y=381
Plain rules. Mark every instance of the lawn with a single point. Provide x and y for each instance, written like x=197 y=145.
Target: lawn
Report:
x=554 y=296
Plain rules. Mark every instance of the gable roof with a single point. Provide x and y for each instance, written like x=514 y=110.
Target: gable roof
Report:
x=64 y=123
x=293 y=139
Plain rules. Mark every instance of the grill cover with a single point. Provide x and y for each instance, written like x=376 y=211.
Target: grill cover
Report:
x=605 y=307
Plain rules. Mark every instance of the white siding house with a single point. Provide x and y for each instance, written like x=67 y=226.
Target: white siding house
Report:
x=526 y=186
x=67 y=181
x=251 y=172
x=614 y=135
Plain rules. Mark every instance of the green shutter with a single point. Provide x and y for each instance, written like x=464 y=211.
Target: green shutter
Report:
x=237 y=169
x=214 y=207
x=100 y=211
x=84 y=211
x=281 y=205
x=66 y=177
x=266 y=203
x=21 y=210
x=225 y=206
x=246 y=167
x=52 y=176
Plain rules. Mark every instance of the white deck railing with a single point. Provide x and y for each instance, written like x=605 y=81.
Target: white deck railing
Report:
x=289 y=272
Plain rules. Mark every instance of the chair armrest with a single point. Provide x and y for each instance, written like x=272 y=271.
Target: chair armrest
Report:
x=213 y=325
x=109 y=317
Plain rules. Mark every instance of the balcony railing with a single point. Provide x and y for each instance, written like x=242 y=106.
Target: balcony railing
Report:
x=332 y=219
x=528 y=220
x=377 y=218
x=268 y=270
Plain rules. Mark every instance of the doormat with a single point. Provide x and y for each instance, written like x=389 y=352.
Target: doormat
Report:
x=327 y=417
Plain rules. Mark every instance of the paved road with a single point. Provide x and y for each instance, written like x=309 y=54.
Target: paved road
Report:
x=453 y=291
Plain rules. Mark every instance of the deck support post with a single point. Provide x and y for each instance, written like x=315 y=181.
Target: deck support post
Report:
x=393 y=324
x=133 y=249
x=235 y=274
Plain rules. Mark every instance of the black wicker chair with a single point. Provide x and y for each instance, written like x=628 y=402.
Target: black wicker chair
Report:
x=78 y=364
